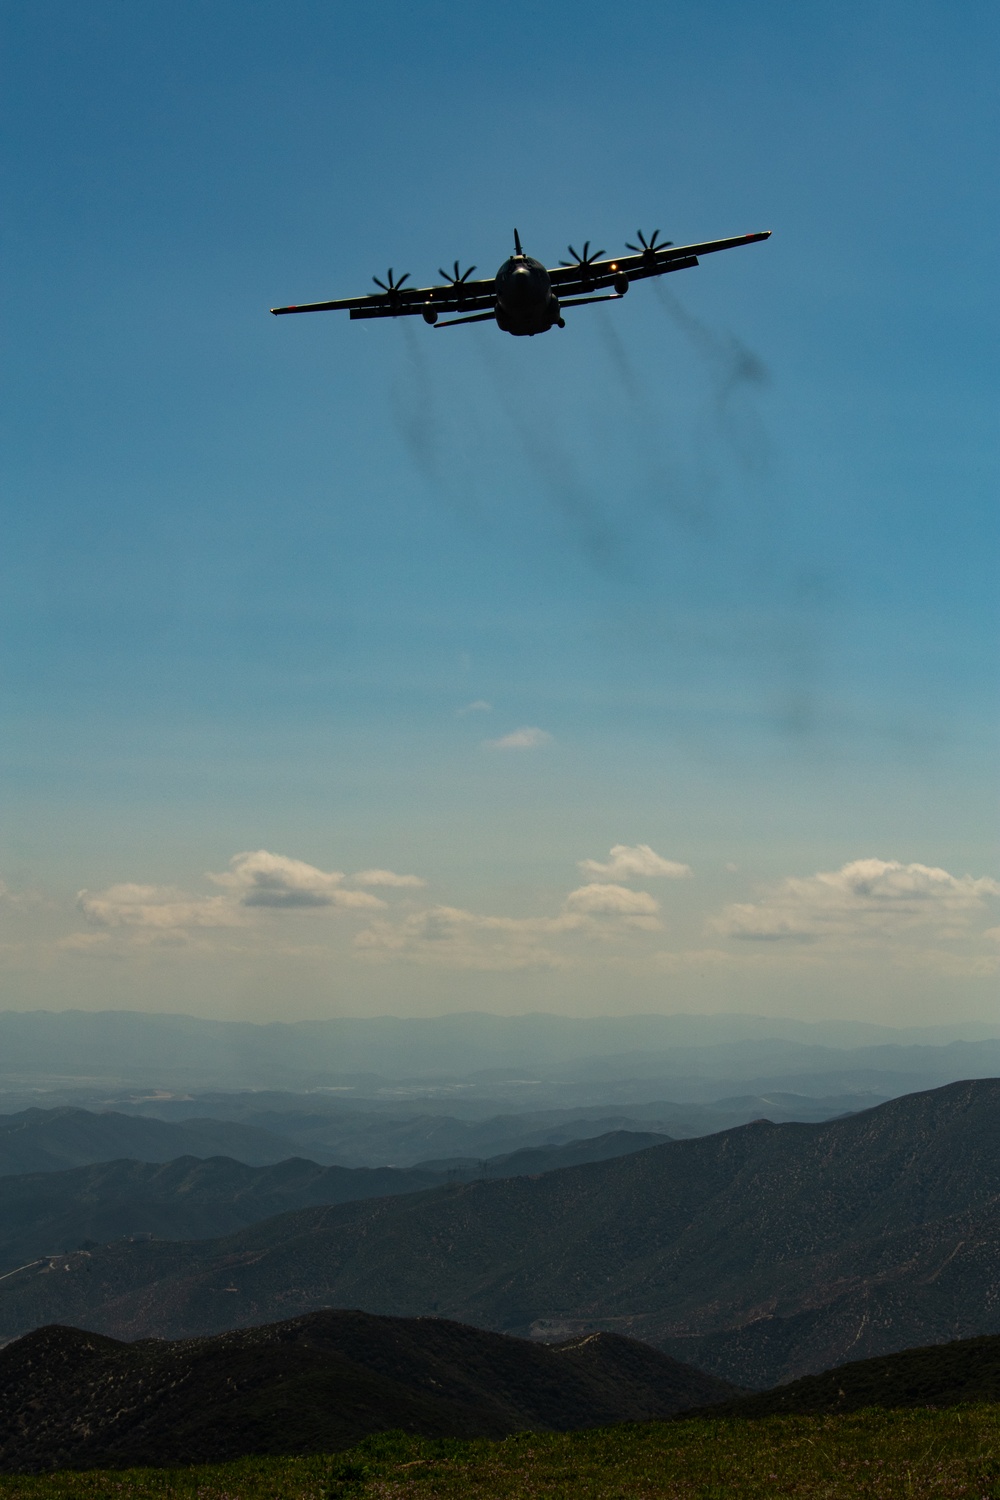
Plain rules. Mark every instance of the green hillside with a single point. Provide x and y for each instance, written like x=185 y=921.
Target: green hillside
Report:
x=873 y=1455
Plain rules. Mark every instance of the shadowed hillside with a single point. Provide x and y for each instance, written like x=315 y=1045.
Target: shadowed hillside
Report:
x=964 y=1372
x=46 y=1213
x=761 y=1254
x=70 y=1399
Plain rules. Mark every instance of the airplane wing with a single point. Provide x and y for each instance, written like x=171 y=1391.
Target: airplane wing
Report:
x=569 y=281
x=401 y=302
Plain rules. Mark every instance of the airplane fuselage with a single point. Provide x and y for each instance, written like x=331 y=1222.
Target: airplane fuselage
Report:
x=525 y=301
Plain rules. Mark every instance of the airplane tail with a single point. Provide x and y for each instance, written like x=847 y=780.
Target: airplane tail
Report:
x=517 y=244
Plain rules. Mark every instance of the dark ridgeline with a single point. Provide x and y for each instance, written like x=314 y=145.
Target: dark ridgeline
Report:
x=70 y=1399
x=192 y=1198
x=761 y=1254
x=960 y=1373
x=51 y=1140
x=54 y=1140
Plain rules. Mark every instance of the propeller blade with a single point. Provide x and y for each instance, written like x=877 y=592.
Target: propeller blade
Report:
x=456 y=278
x=650 y=246
x=584 y=260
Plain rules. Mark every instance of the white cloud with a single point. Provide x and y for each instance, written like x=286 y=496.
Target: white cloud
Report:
x=454 y=938
x=867 y=898
x=613 y=901
x=528 y=737
x=386 y=878
x=259 y=878
x=157 y=907
x=450 y=936
x=638 y=862
x=478 y=706
x=254 y=880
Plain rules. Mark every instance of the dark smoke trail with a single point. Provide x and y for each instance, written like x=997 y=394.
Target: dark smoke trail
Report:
x=556 y=470
x=665 y=489
x=735 y=371
x=413 y=406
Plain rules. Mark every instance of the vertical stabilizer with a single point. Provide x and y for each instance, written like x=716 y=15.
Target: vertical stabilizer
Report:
x=517 y=244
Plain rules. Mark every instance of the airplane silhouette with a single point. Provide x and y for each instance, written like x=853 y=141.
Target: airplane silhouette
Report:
x=524 y=298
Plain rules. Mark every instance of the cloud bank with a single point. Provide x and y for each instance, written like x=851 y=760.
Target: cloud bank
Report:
x=638 y=862
x=264 y=879
x=866 y=899
x=911 y=915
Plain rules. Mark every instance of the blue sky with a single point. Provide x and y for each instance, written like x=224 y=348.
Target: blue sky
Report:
x=728 y=550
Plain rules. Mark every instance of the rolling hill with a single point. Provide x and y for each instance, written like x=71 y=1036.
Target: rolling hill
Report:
x=70 y=1399
x=49 y=1140
x=47 y=1213
x=963 y=1372
x=761 y=1254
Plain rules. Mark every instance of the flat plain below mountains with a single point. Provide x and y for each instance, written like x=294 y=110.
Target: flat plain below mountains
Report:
x=760 y=1254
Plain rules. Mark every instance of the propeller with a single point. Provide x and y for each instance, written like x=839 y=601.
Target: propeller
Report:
x=649 y=247
x=457 y=280
x=584 y=261
x=393 y=286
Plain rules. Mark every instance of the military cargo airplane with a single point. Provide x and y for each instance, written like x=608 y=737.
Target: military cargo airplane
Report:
x=524 y=298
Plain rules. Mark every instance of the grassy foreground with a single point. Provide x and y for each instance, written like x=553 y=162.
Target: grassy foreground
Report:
x=879 y=1454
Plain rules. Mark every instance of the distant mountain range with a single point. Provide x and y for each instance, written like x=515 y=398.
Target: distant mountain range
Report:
x=48 y=1140
x=532 y=1061
x=416 y=1135
x=70 y=1399
x=759 y=1254
x=260 y=1131
x=45 y=1213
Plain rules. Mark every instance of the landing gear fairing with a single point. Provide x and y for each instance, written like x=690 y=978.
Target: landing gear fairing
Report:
x=524 y=298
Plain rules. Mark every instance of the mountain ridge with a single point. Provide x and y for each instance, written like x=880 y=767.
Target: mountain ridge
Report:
x=73 y=1399
x=49 y=1213
x=760 y=1254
